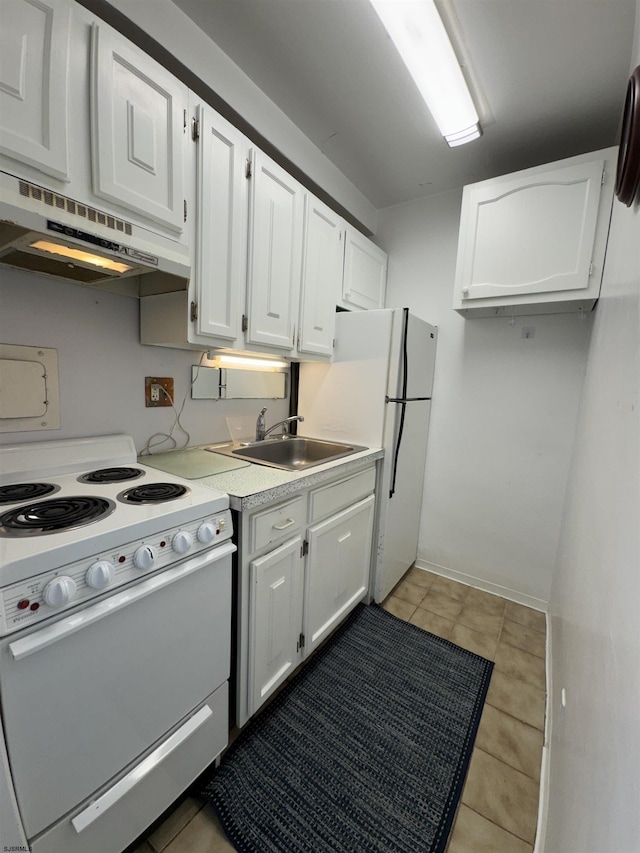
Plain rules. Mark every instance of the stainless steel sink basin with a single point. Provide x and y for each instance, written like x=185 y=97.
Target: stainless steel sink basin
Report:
x=292 y=453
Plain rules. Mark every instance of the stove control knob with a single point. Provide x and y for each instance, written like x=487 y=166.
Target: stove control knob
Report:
x=206 y=532
x=59 y=591
x=144 y=557
x=100 y=574
x=182 y=541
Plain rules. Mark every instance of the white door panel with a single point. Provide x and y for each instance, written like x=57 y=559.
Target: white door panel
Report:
x=275 y=619
x=323 y=247
x=115 y=699
x=221 y=226
x=275 y=246
x=338 y=568
x=34 y=55
x=138 y=130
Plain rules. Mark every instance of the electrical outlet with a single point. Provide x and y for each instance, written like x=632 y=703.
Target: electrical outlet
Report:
x=158 y=391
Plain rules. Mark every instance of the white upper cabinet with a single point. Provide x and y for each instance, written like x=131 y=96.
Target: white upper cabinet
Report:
x=138 y=130
x=322 y=258
x=221 y=225
x=534 y=241
x=365 y=272
x=274 y=254
x=34 y=103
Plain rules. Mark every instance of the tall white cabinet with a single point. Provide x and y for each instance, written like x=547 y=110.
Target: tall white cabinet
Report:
x=275 y=254
x=534 y=241
x=322 y=259
x=220 y=245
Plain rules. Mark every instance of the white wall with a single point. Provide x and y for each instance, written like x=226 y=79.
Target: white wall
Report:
x=102 y=365
x=502 y=419
x=594 y=792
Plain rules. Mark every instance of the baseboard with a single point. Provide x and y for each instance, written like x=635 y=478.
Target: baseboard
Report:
x=545 y=768
x=485 y=586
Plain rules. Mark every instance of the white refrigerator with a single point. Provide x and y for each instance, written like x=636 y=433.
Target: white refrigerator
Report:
x=377 y=392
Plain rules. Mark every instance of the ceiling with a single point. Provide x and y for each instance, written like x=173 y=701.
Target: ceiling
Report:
x=549 y=77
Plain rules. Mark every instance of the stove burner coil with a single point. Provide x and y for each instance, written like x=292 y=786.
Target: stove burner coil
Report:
x=16 y=492
x=153 y=493
x=111 y=475
x=54 y=516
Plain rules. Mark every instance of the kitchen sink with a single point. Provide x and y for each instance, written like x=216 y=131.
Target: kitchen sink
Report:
x=292 y=453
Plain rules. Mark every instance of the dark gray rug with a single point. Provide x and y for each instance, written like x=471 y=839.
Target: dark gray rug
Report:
x=365 y=750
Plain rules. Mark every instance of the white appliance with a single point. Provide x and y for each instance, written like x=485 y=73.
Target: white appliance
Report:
x=115 y=625
x=377 y=392
x=54 y=235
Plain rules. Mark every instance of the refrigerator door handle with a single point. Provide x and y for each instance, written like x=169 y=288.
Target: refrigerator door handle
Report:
x=405 y=399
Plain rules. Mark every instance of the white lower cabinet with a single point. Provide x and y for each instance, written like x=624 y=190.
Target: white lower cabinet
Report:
x=276 y=615
x=303 y=565
x=337 y=569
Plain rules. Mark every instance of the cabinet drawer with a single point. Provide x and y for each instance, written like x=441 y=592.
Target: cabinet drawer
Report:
x=276 y=523
x=336 y=496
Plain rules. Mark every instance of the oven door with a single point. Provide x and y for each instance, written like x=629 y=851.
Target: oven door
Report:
x=84 y=696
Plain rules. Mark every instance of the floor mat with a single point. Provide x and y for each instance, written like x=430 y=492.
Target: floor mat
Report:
x=365 y=750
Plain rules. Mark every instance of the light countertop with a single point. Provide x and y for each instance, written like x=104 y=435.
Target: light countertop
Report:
x=254 y=485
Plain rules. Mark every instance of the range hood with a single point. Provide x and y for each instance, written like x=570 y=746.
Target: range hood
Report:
x=50 y=234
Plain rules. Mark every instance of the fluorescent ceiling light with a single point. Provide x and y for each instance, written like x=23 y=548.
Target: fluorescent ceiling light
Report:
x=79 y=255
x=248 y=362
x=418 y=33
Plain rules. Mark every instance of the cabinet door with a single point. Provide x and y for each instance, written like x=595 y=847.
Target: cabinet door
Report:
x=322 y=258
x=275 y=244
x=338 y=567
x=34 y=55
x=365 y=272
x=275 y=619
x=138 y=124
x=220 y=226
x=528 y=234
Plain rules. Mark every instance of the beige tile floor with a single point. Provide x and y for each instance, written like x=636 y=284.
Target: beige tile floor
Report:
x=499 y=805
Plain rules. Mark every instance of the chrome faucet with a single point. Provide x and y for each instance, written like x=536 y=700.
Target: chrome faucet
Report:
x=262 y=433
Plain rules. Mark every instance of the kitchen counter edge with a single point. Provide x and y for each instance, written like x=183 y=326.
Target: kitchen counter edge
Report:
x=257 y=485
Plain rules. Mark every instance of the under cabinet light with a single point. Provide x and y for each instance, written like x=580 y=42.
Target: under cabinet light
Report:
x=80 y=255
x=247 y=362
x=416 y=29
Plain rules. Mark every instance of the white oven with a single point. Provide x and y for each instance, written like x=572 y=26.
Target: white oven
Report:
x=115 y=657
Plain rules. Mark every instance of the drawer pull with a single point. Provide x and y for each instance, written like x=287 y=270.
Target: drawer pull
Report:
x=285 y=524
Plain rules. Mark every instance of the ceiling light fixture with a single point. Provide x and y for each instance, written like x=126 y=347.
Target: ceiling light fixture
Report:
x=416 y=29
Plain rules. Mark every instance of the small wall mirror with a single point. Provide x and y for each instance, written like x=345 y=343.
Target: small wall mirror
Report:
x=216 y=383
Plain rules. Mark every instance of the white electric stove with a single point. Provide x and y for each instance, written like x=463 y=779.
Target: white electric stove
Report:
x=115 y=608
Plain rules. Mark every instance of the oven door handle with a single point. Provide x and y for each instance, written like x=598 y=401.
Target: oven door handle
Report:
x=103 y=803
x=83 y=618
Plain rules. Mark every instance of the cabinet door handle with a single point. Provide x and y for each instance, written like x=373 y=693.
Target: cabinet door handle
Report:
x=120 y=789
x=285 y=524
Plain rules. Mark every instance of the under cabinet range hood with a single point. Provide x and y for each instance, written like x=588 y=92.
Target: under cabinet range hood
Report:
x=50 y=234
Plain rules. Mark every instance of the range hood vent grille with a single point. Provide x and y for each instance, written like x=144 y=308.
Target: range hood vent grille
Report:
x=75 y=208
